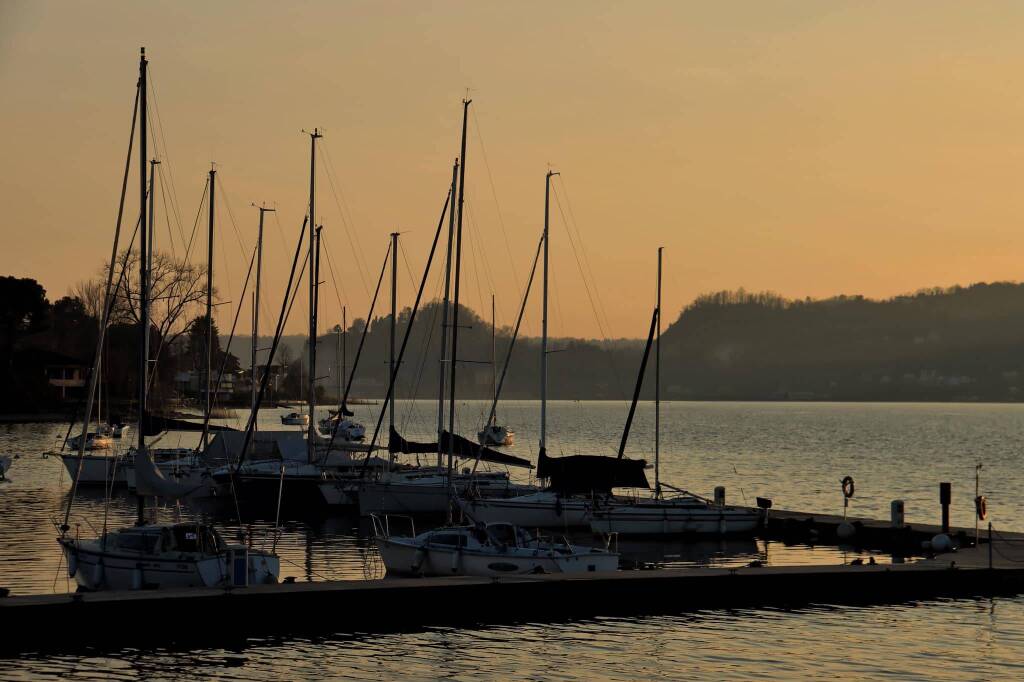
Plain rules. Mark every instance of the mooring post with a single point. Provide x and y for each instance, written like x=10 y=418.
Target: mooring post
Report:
x=990 y=545
x=945 y=497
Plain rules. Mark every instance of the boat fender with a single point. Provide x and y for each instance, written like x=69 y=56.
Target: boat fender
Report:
x=981 y=506
x=848 y=486
x=846 y=530
x=72 y=563
x=558 y=506
x=419 y=558
x=137 y=577
x=97 y=574
x=455 y=560
x=941 y=543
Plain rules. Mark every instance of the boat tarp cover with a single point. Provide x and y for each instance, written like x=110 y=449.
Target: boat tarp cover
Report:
x=154 y=424
x=462 y=447
x=585 y=474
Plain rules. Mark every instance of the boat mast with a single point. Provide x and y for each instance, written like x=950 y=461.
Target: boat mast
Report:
x=208 y=369
x=454 y=358
x=544 y=319
x=256 y=303
x=657 y=389
x=391 y=353
x=494 y=366
x=143 y=280
x=311 y=430
x=444 y=315
x=149 y=250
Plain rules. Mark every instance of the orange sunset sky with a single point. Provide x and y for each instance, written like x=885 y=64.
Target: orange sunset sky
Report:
x=809 y=148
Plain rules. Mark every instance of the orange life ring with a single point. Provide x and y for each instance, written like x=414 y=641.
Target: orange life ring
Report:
x=981 y=506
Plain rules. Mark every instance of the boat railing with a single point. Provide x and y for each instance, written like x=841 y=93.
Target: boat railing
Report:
x=382 y=526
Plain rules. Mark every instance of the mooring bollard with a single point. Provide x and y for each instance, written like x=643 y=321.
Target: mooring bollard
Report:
x=720 y=496
x=945 y=498
x=896 y=513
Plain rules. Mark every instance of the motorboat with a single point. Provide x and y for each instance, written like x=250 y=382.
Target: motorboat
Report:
x=295 y=419
x=342 y=428
x=484 y=549
x=166 y=556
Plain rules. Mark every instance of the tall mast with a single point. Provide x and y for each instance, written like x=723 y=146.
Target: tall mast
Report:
x=444 y=314
x=454 y=358
x=208 y=369
x=311 y=430
x=657 y=389
x=394 y=310
x=494 y=363
x=544 y=319
x=312 y=365
x=256 y=305
x=143 y=277
x=344 y=354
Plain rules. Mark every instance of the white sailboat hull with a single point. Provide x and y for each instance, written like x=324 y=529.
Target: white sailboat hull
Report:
x=96 y=469
x=664 y=517
x=539 y=510
x=94 y=569
x=403 y=558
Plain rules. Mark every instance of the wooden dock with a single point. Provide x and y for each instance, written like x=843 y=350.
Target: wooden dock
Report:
x=218 y=615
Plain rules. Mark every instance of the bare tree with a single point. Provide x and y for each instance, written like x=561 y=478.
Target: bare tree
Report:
x=176 y=292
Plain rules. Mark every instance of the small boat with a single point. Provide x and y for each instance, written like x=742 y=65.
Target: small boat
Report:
x=342 y=428
x=495 y=435
x=119 y=430
x=489 y=550
x=295 y=419
x=166 y=556
x=540 y=509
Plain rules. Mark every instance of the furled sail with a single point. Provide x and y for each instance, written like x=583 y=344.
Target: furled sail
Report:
x=585 y=474
x=461 y=447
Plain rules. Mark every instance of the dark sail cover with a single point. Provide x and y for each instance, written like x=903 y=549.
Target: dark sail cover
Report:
x=154 y=424
x=462 y=447
x=584 y=474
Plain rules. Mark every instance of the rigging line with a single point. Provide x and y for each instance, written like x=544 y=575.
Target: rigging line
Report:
x=359 y=348
x=226 y=201
x=195 y=223
x=108 y=300
x=579 y=265
x=494 y=193
x=172 y=186
x=583 y=248
x=226 y=353
x=167 y=215
x=471 y=237
x=417 y=380
x=265 y=380
x=347 y=222
x=330 y=267
x=408 y=269
x=405 y=338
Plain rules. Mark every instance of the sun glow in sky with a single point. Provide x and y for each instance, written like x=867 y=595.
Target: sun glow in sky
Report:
x=808 y=148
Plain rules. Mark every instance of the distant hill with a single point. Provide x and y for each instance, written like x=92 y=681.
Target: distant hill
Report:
x=961 y=343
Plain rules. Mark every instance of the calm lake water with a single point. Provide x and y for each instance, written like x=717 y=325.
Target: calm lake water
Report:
x=795 y=454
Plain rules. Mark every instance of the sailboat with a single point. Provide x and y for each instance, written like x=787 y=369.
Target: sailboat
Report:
x=681 y=513
x=338 y=424
x=155 y=555
x=575 y=482
x=432 y=490
x=493 y=433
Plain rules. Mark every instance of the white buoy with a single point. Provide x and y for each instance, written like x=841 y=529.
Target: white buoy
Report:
x=942 y=543
x=845 y=531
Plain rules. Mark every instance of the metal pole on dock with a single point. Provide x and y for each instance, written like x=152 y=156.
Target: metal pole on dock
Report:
x=945 y=497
